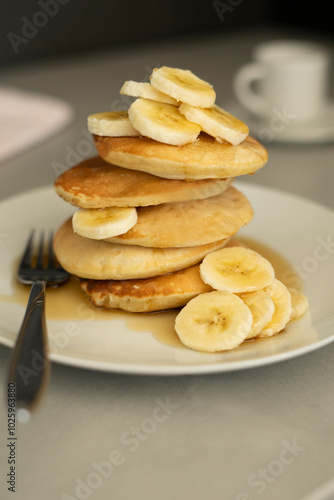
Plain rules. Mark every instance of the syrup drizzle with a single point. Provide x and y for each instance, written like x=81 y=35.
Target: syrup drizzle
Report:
x=69 y=303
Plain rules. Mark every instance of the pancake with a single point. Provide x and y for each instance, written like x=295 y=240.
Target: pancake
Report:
x=151 y=294
x=146 y=295
x=205 y=158
x=95 y=183
x=96 y=259
x=189 y=223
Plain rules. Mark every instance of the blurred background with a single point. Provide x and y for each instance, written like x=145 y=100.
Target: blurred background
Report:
x=62 y=60
x=74 y=26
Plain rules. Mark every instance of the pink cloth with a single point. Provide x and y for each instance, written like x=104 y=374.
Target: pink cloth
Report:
x=27 y=119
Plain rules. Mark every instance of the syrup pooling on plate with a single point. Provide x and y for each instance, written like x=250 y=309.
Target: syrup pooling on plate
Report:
x=284 y=270
x=69 y=303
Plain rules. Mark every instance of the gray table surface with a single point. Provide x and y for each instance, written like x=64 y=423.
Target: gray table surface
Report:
x=262 y=433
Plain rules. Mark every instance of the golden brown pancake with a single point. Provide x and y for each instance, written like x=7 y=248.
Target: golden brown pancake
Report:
x=205 y=158
x=189 y=223
x=96 y=259
x=151 y=294
x=95 y=183
x=146 y=295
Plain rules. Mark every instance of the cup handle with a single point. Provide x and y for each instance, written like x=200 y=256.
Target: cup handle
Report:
x=242 y=85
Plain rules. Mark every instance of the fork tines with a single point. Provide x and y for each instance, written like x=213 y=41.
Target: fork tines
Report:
x=39 y=261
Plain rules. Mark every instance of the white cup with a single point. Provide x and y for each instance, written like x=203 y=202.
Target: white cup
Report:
x=290 y=76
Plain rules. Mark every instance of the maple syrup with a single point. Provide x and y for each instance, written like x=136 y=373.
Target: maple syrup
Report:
x=69 y=303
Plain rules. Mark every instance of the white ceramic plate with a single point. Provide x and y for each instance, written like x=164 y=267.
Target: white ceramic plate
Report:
x=299 y=230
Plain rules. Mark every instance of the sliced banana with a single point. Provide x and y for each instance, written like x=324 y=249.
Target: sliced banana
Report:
x=299 y=303
x=101 y=223
x=216 y=122
x=162 y=122
x=111 y=124
x=281 y=297
x=214 y=321
x=183 y=85
x=262 y=308
x=236 y=270
x=146 y=90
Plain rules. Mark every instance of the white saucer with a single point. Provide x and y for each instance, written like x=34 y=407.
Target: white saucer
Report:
x=319 y=129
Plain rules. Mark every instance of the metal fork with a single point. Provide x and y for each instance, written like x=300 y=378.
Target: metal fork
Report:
x=29 y=367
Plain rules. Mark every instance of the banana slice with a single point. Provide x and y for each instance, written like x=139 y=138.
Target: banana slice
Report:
x=281 y=297
x=214 y=321
x=101 y=223
x=183 y=85
x=236 y=270
x=162 y=122
x=299 y=303
x=262 y=308
x=216 y=122
x=146 y=90
x=111 y=124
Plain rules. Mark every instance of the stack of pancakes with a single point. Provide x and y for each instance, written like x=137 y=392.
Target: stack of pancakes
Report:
x=187 y=207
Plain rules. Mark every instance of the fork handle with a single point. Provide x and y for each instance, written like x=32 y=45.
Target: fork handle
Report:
x=30 y=368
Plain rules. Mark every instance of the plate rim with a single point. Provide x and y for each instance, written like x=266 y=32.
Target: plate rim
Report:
x=191 y=368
